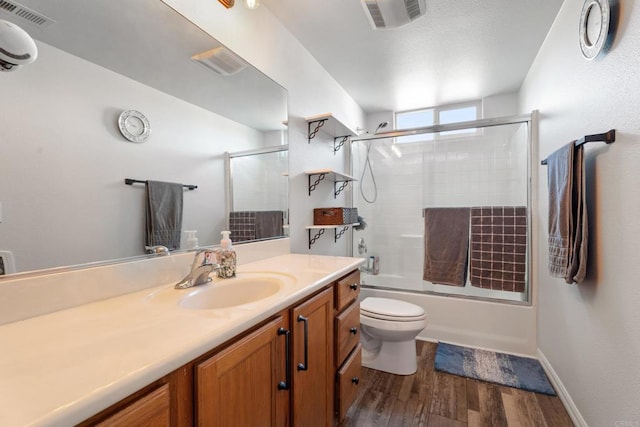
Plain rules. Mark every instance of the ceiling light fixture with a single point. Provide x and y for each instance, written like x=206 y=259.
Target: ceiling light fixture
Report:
x=251 y=4
x=227 y=3
x=17 y=48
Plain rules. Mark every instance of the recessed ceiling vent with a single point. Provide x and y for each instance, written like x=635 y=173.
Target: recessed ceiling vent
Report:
x=25 y=14
x=385 y=14
x=221 y=60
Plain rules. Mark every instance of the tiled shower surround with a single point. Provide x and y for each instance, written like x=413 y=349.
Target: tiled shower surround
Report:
x=487 y=168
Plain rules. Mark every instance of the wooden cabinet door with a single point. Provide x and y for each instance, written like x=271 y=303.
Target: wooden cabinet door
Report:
x=151 y=410
x=245 y=383
x=313 y=368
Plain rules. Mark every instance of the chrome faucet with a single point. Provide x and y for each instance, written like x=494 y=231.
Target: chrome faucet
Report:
x=202 y=266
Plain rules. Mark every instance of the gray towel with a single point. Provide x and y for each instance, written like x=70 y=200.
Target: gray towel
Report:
x=164 y=214
x=568 y=222
x=269 y=224
x=446 y=245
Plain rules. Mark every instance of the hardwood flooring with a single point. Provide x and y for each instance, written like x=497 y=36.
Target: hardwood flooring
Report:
x=435 y=399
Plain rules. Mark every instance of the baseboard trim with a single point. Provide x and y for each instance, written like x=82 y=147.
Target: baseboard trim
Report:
x=563 y=394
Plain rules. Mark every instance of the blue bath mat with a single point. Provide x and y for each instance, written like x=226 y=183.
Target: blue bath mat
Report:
x=505 y=369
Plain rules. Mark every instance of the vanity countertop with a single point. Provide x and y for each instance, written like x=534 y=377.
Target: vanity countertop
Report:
x=63 y=367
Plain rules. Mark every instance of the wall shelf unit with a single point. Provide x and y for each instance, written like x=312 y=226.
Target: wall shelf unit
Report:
x=340 y=180
x=318 y=230
x=331 y=126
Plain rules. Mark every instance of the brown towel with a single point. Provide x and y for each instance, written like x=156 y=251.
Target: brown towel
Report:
x=446 y=245
x=568 y=222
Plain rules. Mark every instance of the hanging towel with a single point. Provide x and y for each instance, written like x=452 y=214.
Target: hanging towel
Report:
x=269 y=224
x=568 y=234
x=446 y=245
x=242 y=225
x=498 y=258
x=164 y=214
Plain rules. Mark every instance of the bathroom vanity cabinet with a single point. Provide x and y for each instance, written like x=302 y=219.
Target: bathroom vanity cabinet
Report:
x=282 y=372
x=347 y=338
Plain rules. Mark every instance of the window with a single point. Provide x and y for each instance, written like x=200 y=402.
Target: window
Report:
x=437 y=116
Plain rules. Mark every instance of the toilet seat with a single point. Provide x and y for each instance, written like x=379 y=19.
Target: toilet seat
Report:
x=392 y=310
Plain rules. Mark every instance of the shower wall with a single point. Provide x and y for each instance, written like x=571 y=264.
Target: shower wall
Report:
x=482 y=167
x=270 y=170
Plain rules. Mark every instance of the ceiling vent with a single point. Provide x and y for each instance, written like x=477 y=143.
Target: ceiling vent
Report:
x=221 y=60
x=25 y=14
x=384 y=14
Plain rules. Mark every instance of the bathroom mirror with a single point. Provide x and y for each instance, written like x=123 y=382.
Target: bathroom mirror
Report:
x=63 y=198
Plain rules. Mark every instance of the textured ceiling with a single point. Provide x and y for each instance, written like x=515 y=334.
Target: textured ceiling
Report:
x=460 y=50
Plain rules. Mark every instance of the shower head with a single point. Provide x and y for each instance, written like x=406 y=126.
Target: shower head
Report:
x=381 y=126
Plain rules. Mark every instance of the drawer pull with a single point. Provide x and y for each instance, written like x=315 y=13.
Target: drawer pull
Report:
x=355 y=380
x=354 y=286
x=353 y=330
x=304 y=366
x=284 y=385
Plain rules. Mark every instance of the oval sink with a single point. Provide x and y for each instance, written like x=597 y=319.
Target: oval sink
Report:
x=230 y=293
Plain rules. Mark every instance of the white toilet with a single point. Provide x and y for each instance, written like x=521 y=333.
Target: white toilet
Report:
x=388 y=330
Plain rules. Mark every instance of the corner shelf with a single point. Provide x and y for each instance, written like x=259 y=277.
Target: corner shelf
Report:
x=335 y=177
x=331 y=126
x=320 y=229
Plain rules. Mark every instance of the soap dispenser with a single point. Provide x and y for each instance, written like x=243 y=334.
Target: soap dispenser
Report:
x=226 y=257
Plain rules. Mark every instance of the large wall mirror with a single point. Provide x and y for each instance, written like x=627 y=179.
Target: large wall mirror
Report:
x=63 y=198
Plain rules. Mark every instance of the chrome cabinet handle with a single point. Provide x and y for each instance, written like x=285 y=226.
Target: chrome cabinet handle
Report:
x=355 y=380
x=353 y=286
x=353 y=330
x=304 y=366
x=284 y=385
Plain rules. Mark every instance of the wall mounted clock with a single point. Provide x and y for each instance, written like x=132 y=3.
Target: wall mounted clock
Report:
x=595 y=26
x=134 y=126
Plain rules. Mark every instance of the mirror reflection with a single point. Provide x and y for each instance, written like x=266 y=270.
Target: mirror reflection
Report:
x=258 y=212
x=63 y=200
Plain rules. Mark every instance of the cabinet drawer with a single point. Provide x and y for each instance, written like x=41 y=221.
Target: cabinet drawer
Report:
x=348 y=382
x=347 y=331
x=347 y=290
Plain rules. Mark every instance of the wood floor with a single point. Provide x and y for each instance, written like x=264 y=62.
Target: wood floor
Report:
x=436 y=399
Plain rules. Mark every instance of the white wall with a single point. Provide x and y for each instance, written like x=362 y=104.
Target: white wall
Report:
x=590 y=333
x=62 y=125
x=259 y=38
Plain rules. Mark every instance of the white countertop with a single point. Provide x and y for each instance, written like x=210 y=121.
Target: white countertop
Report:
x=63 y=367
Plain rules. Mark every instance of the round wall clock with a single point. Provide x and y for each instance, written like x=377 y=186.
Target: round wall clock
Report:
x=595 y=22
x=134 y=126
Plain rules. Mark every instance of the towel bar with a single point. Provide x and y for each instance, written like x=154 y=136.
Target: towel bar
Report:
x=607 y=137
x=129 y=181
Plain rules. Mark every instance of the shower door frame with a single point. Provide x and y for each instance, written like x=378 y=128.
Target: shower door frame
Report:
x=531 y=120
x=228 y=174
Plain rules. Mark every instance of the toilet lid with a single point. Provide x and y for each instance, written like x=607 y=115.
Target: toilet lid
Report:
x=386 y=308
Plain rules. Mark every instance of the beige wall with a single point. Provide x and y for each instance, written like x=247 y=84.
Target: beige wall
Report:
x=590 y=333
